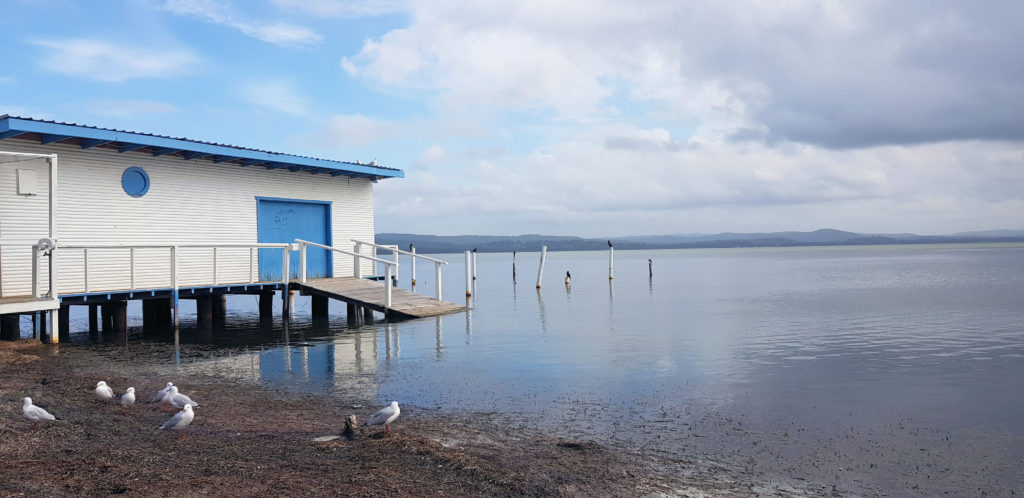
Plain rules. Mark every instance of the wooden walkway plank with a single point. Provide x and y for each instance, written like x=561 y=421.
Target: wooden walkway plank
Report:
x=370 y=293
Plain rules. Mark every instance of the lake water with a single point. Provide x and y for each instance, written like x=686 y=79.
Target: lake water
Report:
x=881 y=369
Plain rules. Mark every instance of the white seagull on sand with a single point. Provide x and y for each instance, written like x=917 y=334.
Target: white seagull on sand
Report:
x=385 y=416
x=103 y=391
x=35 y=413
x=180 y=420
x=163 y=392
x=128 y=398
x=174 y=398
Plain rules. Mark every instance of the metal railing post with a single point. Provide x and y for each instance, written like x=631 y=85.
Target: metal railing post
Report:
x=396 y=268
x=35 y=271
x=174 y=269
x=214 y=265
x=252 y=252
x=285 y=266
x=437 y=280
x=357 y=270
x=302 y=262
x=412 y=249
x=387 y=286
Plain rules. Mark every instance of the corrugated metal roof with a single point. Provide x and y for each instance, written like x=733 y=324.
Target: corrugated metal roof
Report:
x=46 y=132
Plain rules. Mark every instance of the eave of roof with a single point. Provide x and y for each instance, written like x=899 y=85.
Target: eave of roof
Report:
x=46 y=132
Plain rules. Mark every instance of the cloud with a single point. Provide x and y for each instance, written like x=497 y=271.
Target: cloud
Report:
x=832 y=74
x=278 y=33
x=583 y=187
x=356 y=130
x=277 y=95
x=112 y=62
x=127 y=108
x=344 y=8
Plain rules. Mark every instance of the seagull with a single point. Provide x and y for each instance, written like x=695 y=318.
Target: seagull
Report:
x=128 y=398
x=385 y=416
x=174 y=398
x=372 y=163
x=35 y=413
x=180 y=420
x=610 y=244
x=163 y=392
x=568 y=278
x=103 y=391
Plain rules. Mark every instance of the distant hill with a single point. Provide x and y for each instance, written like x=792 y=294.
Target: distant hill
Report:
x=433 y=244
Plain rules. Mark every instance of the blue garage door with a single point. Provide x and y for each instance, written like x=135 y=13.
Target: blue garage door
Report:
x=284 y=220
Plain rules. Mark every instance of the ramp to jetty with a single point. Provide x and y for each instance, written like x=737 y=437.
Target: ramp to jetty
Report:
x=369 y=294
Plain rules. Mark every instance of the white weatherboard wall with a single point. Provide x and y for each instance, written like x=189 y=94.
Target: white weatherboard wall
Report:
x=188 y=202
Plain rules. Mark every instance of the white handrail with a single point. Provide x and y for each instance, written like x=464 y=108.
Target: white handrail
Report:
x=388 y=265
x=396 y=249
x=173 y=280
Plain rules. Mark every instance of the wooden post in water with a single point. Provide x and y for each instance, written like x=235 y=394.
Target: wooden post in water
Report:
x=611 y=261
x=204 y=316
x=220 y=310
x=94 y=321
x=474 y=263
x=266 y=310
x=412 y=249
x=650 y=268
x=540 y=271
x=469 y=275
x=352 y=314
x=513 y=268
x=367 y=315
x=63 y=328
x=320 y=308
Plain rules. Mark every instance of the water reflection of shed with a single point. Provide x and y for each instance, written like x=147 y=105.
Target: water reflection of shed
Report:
x=128 y=210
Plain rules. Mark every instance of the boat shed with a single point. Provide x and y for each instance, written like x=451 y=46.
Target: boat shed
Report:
x=147 y=215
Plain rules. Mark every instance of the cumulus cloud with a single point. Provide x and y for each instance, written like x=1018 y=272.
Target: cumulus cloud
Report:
x=832 y=74
x=112 y=62
x=278 y=33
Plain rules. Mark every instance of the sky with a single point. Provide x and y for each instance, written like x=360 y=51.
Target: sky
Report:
x=573 y=117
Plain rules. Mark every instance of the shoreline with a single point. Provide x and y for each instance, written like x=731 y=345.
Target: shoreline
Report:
x=258 y=440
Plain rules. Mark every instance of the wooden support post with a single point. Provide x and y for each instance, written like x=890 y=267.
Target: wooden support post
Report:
x=540 y=270
x=352 y=315
x=367 y=315
x=63 y=324
x=120 y=318
x=10 y=327
x=149 y=317
x=266 y=310
x=220 y=310
x=320 y=309
x=469 y=275
x=94 y=325
x=204 y=316
x=106 y=318
x=611 y=262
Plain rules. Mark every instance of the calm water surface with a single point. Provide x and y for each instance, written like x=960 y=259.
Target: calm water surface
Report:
x=800 y=361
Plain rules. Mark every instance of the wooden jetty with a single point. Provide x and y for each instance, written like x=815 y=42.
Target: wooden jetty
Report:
x=368 y=294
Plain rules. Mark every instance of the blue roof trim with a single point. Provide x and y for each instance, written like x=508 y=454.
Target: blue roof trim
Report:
x=125 y=141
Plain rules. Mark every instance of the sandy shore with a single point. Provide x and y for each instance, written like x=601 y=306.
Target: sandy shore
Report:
x=260 y=441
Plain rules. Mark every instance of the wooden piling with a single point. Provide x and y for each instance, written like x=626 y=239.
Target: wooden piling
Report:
x=352 y=315
x=204 y=315
x=94 y=322
x=63 y=324
x=474 y=263
x=220 y=310
x=10 y=327
x=412 y=249
x=367 y=315
x=119 y=318
x=611 y=262
x=540 y=270
x=320 y=309
x=266 y=310
x=650 y=268
x=469 y=275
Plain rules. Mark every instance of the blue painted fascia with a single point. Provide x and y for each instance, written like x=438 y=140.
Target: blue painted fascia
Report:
x=131 y=141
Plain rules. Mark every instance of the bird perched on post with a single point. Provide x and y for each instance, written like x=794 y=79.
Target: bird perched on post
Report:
x=610 y=244
x=568 y=277
x=385 y=416
x=35 y=413
x=103 y=391
x=179 y=421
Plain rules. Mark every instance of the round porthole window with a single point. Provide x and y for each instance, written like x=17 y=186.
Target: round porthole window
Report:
x=135 y=181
